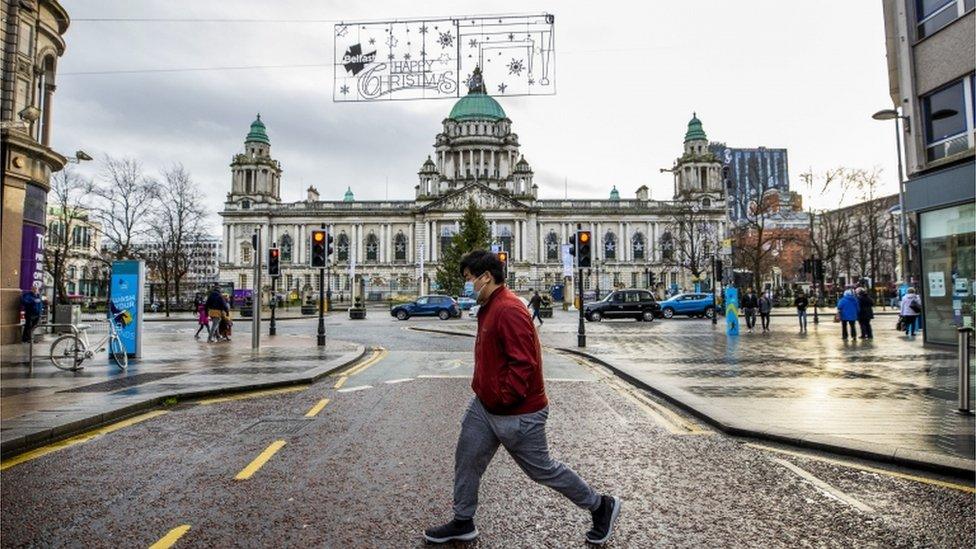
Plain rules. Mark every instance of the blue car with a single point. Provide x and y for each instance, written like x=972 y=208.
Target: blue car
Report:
x=441 y=306
x=693 y=305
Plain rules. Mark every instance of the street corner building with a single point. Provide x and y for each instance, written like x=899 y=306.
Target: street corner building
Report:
x=395 y=245
x=32 y=40
x=931 y=53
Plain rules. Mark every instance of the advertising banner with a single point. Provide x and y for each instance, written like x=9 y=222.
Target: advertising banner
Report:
x=31 y=256
x=127 y=302
x=433 y=58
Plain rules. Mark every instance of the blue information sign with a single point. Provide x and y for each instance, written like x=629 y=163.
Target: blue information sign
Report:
x=128 y=279
x=732 y=311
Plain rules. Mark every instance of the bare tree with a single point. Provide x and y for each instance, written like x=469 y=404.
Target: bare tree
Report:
x=177 y=227
x=125 y=196
x=68 y=203
x=829 y=230
x=693 y=241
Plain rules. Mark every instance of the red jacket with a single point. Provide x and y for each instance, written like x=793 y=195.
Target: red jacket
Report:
x=507 y=357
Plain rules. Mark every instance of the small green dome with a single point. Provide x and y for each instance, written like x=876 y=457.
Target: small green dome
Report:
x=348 y=197
x=476 y=106
x=695 y=131
x=257 y=132
x=614 y=193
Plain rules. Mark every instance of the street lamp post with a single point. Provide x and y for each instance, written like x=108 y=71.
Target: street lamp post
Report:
x=892 y=114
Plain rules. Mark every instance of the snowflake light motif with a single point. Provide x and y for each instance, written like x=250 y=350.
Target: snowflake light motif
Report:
x=372 y=41
x=446 y=39
x=342 y=30
x=423 y=29
x=472 y=43
x=501 y=87
x=406 y=56
x=344 y=89
x=516 y=67
x=391 y=41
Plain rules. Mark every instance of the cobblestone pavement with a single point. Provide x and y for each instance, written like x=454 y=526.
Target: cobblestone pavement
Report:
x=372 y=466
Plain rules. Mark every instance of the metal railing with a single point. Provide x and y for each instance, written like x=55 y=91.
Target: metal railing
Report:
x=76 y=330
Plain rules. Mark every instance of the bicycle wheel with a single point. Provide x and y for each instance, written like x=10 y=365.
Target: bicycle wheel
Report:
x=68 y=352
x=117 y=351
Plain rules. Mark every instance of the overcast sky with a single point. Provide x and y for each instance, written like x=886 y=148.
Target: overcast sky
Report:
x=805 y=76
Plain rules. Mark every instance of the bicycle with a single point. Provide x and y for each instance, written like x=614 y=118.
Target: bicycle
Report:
x=69 y=352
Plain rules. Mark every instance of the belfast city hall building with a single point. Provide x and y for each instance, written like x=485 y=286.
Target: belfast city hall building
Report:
x=476 y=157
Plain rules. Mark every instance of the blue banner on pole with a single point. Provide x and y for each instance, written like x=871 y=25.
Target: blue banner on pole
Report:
x=732 y=311
x=126 y=305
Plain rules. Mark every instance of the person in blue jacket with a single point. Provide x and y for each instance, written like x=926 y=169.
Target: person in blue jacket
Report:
x=847 y=310
x=33 y=305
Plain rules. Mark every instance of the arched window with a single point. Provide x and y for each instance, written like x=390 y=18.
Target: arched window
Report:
x=552 y=247
x=342 y=247
x=286 y=247
x=400 y=247
x=638 y=246
x=372 y=248
x=447 y=234
x=72 y=272
x=246 y=252
x=505 y=237
x=609 y=246
x=667 y=247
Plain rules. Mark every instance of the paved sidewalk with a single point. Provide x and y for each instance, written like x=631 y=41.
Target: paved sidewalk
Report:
x=47 y=404
x=889 y=399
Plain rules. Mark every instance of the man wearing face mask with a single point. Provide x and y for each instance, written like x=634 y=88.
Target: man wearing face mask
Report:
x=510 y=409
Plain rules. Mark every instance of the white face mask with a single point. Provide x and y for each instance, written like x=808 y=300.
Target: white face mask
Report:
x=477 y=290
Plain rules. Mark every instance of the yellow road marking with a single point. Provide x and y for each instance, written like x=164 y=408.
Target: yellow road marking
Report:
x=317 y=408
x=77 y=439
x=259 y=461
x=651 y=408
x=377 y=356
x=827 y=489
x=894 y=474
x=253 y=394
x=340 y=383
x=169 y=539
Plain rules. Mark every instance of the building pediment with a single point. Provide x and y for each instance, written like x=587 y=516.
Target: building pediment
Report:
x=483 y=197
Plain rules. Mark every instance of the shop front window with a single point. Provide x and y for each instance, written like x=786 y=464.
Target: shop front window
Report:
x=948 y=248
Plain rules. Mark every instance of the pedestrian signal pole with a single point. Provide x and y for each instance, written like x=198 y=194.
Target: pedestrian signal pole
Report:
x=580 y=249
x=274 y=271
x=256 y=292
x=318 y=260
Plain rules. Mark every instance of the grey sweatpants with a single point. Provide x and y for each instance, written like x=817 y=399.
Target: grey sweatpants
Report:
x=524 y=436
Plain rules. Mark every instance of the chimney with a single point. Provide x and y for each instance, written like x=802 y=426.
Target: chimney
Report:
x=642 y=192
x=313 y=195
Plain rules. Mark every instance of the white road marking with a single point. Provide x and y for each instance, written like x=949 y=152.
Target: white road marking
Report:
x=827 y=489
x=442 y=376
x=354 y=389
x=392 y=381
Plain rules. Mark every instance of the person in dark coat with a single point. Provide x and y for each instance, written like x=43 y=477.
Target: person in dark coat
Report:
x=801 y=302
x=217 y=307
x=865 y=313
x=750 y=302
x=765 y=309
x=536 y=304
x=847 y=309
x=33 y=305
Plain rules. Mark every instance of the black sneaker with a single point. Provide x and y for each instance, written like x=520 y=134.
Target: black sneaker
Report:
x=462 y=530
x=603 y=519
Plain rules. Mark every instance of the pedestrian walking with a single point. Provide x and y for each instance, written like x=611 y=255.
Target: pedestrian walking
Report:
x=847 y=310
x=750 y=302
x=765 y=309
x=801 y=302
x=536 y=304
x=216 y=307
x=33 y=305
x=203 y=319
x=865 y=313
x=510 y=408
x=911 y=307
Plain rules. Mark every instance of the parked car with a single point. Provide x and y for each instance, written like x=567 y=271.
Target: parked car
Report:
x=441 y=306
x=693 y=305
x=466 y=302
x=473 y=312
x=639 y=304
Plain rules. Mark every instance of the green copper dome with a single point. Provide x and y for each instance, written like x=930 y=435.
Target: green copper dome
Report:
x=695 y=131
x=614 y=193
x=348 y=197
x=257 y=132
x=477 y=106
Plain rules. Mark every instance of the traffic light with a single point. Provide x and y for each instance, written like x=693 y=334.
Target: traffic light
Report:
x=274 y=262
x=328 y=245
x=651 y=279
x=818 y=270
x=503 y=257
x=584 y=256
x=718 y=270
x=318 y=238
x=572 y=244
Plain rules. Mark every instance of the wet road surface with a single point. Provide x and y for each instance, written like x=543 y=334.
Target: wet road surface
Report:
x=369 y=464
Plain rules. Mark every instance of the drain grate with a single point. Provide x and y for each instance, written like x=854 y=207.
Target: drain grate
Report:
x=283 y=426
x=121 y=383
